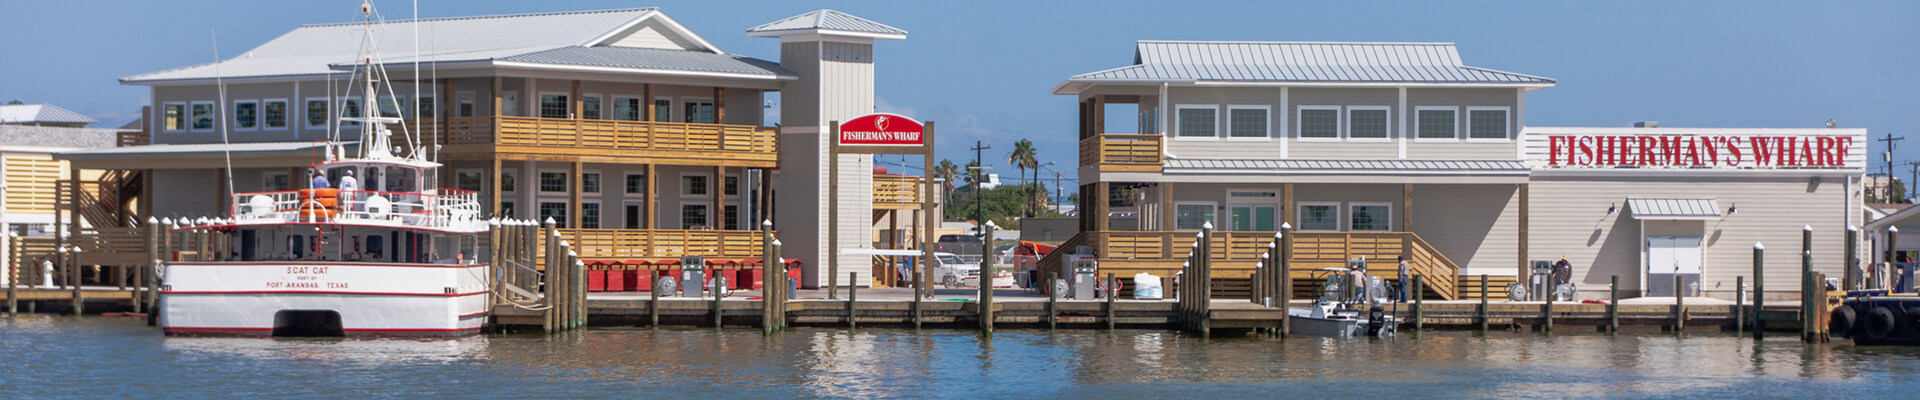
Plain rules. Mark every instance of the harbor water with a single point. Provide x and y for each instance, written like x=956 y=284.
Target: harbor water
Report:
x=48 y=356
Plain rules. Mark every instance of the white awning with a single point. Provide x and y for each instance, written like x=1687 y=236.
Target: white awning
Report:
x=1673 y=208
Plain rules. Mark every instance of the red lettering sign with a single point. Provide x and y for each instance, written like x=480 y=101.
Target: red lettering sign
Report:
x=882 y=130
x=1697 y=151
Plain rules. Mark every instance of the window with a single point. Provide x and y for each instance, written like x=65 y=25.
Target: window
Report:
x=246 y=115
x=468 y=180
x=732 y=218
x=693 y=185
x=392 y=106
x=626 y=108
x=425 y=107
x=590 y=215
x=174 y=117
x=1198 y=121
x=590 y=182
x=317 y=113
x=553 y=106
x=1368 y=123
x=1191 y=216
x=634 y=218
x=733 y=186
x=274 y=114
x=202 y=116
x=274 y=181
x=636 y=183
x=693 y=216
x=349 y=108
x=1319 y=216
x=1370 y=217
x=1487 y=123
x=662 y=110
x=1437 y=123
x=590 y=106
x=507 y=181
x=553 y=181
x=1319 y=122
x=699 y=111
x=555 y=210
x=466 y=103
x=1247 y=121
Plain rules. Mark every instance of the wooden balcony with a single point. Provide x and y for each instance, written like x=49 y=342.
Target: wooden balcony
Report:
x=137 y=138
x=1112 y=152
x=654 y=245
x=896 y=192
x=597 y=140
x=1125 y=253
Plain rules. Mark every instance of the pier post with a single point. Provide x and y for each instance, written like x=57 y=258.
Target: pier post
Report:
x=767 y=262
x=1739 y=306
x=853 y=296
x=653 y=299
x=1206 y=280
x=1484 y=294
x=13 y=294
x=1113 y=290
x=551 y=279
x=1759 y=290
x=1419 y=286
x=1286 y=274
x=784 y=291
x=1679 y=304
x=1546 y=310
x=986 y=279
x=579 y=294
x=1850 y=278
x=1807 y=284
x=717 y=287
x=142 y=297
x=1613 y=306
x=1053 y=298
x=72 y=261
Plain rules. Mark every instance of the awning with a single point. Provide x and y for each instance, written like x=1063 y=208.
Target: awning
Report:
x=1673 y=208
x=209 y=155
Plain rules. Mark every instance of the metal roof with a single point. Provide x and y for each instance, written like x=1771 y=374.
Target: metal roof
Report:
x=1380 y=166
x=28 y=114
x=827 y=20
x=311 y=49
x=644 y=58
x=57 y=137
x=1673 y=208
x=1187 y=61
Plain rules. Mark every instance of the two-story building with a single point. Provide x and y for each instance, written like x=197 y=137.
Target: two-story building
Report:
x=1387 y=150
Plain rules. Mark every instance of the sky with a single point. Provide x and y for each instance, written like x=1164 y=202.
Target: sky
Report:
x=982 y=69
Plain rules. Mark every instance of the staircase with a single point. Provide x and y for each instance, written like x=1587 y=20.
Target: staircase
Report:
x=103 y=203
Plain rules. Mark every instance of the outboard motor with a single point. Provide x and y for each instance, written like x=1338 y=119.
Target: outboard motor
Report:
x=1376 y=320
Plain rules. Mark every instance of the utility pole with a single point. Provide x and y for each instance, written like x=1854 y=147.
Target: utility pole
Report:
x=1915 y=177
x=979 y=187
x=1887 y=157
x=1056 y=188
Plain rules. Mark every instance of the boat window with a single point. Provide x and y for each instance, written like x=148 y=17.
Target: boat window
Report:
x=376 y=246
x=399 y=179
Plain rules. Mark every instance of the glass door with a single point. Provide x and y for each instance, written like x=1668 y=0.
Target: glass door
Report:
x=1253 y=217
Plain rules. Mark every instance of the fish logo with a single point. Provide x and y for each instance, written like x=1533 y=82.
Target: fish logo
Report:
x=881 y=122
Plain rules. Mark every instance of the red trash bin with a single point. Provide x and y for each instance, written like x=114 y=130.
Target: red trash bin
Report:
x=617 y=277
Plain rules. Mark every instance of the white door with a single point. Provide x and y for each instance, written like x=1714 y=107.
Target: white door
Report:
x=1668 y=256
x=510 y=103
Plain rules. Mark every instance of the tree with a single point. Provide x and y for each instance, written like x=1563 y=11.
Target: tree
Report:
x=971 y=175
x=1896 y=192
x=14 y=103
x=947 y=172
x=1024 y=157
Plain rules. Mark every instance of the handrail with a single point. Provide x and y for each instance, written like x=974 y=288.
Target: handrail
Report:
x=1122 y=149
x=602 y=134
x=896 y=190
x=1238 y=250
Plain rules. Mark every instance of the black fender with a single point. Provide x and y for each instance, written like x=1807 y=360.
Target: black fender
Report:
x=1878 y=323
x=1843 y=320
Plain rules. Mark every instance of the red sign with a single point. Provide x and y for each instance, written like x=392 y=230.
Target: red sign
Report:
x=1699 y=151
x=882 y=130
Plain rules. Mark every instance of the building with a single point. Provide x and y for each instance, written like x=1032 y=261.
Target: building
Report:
x=1389 y=150
x=637 y=136
x=30 y=177
x=46 y=115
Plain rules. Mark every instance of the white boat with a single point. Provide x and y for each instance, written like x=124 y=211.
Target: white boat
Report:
x=396 y=257
x=1339 y=311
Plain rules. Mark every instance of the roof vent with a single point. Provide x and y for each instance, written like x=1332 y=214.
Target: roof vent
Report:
x=1647 y=124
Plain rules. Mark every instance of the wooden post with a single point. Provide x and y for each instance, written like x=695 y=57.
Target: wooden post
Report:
x=853 y=294
x=833 y=210
x=1483 y=302
x=647 y=107
x=1613 y=306
x=1679 y=304
x=1419 y=302
x=653 y=201
x=653 y=299
x=1739 y=306
x=574 y=210
x=1524 y=210
x=783 y=291
x=716 y=286
x=1806 y=284
x=13 y=282
x=1286 y=271
x=1113 y=290
x=551 y=277
x=1053 y=299
x=720 y=107
x=767 y=262
x=720 y=198
x=1850 y=278
x=1546 y=311
x=1406 y=209
x=1759 y=291
x=1205 y=284
x=144 y=301
x=986 y=279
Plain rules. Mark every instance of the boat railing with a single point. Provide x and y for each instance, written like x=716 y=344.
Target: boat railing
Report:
x=449 y=209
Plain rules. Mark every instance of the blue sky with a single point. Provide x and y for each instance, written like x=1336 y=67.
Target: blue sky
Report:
x=982 y=68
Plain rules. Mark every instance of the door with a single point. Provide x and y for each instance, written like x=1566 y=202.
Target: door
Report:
x=1670 y=256
x=1253 y=217
x=510 y=103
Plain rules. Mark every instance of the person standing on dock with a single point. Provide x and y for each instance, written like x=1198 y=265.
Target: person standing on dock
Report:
x=1405 y=276
x=1562 y=272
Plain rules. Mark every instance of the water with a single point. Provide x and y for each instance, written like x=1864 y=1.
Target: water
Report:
x=55 y=356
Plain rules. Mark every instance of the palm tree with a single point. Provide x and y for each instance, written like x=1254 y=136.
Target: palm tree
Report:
x=970 y=174
x=946 y=171
x=1025 y=157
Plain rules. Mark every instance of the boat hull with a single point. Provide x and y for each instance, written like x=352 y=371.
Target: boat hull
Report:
x=323 y=299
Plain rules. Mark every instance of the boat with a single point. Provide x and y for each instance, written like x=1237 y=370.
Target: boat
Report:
x=1344 y=310
x=392 y=256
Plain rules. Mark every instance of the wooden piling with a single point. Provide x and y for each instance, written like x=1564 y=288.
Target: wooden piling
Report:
x=1759 y=291
x=1739 y=306
x=1613 y=306
x=1806 y=284
x=1286 y=272
x=853 y=296
x=13 y=282
x=1546 y=309
x=1679 y=304
x=986 y=280
x=653 y=300
x=1419 y=286
x=767 y=262
x=1484 y=294
x=1053 y=299
x=1113 y=290
x=717 y=286
x=73 y=269
x=1850 y=278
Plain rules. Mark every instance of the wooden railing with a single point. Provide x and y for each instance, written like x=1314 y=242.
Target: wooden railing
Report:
x=655 y=245
x=1234 y=253
x=710 y=140
x=896 y=192
x=139 y=138
x=1122 y=152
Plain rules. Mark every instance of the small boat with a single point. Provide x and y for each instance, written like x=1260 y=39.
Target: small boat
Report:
x=1344 y=310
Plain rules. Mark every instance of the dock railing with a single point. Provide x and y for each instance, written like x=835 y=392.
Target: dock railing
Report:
x=1233 y=254
x=695 y=139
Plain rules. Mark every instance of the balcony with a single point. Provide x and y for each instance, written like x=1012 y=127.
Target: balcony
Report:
x=1112 y=152
x=595 y=140
x=896 y=192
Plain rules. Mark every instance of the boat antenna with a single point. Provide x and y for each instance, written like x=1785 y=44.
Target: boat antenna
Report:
x=226 y=148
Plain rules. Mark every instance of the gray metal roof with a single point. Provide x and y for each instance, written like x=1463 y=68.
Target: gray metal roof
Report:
x=311 y=49
x=1176 y=61
x=643 y=58
x=56 y=137
x=829 y=20
x=29 y=114
x=1673 y=208
x=1380 y=166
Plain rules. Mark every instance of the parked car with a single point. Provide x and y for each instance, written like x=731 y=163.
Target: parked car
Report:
x=1004 y=253
x=960 y=245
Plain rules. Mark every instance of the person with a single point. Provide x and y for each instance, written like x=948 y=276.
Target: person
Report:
x=1405 y=276
x=348 y=184
x=319 y=180
x=1562 y=272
